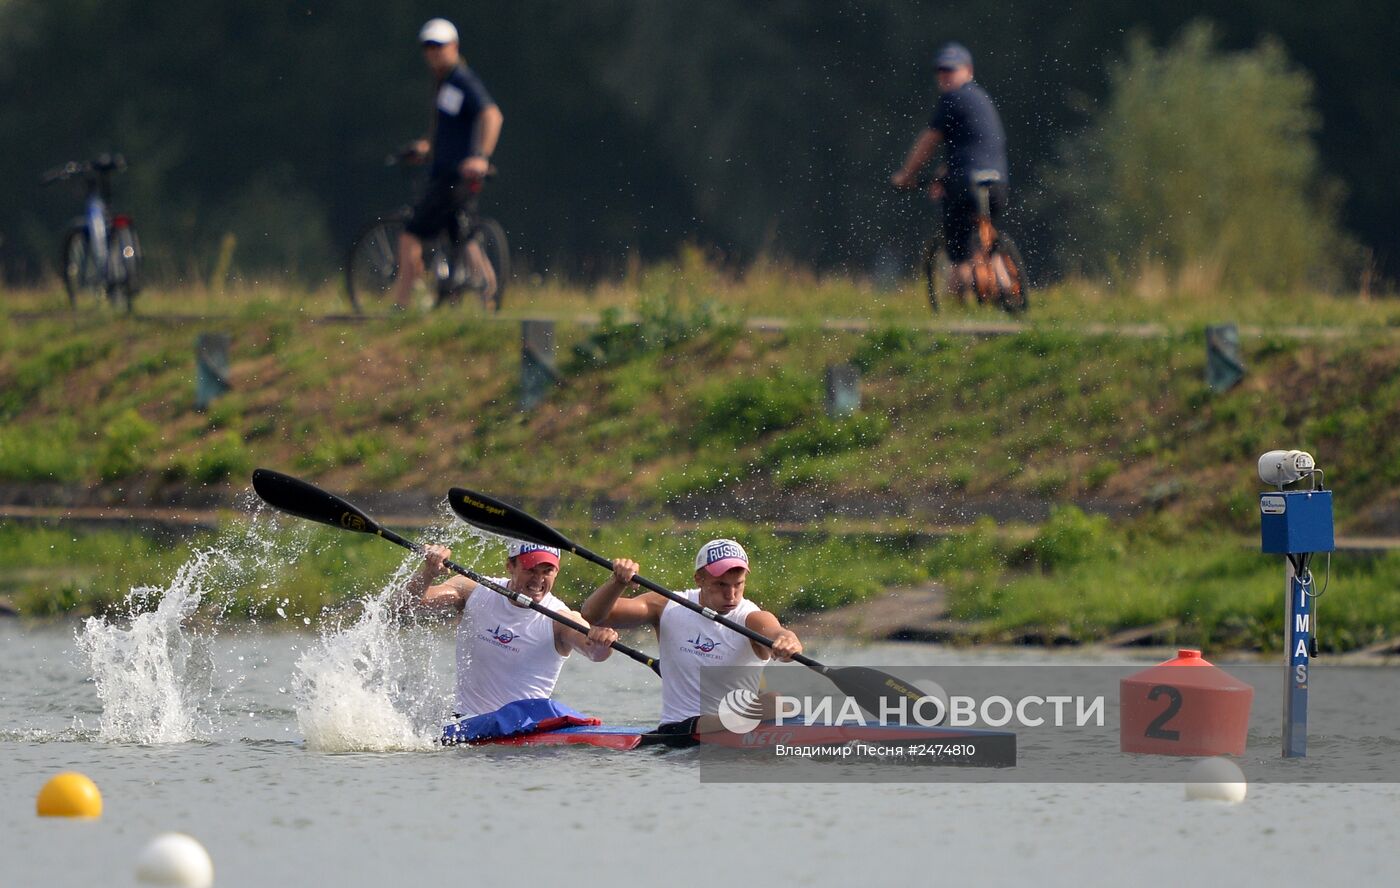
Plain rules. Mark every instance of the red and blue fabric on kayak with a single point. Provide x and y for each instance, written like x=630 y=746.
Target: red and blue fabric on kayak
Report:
x=513 y=720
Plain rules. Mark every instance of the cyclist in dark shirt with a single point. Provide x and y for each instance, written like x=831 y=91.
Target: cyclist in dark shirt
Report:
x=967 y=122
x=466 y=125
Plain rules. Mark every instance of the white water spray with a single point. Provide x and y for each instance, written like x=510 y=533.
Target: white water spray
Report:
x=153 y=670
x=375 y=686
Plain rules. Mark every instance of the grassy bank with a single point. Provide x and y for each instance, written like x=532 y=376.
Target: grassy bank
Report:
x=689 y=406
x=1074 y=579
x=671 y=405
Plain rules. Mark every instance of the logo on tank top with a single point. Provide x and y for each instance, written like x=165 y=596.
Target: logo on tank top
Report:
x=504 y=636
x=703 y=643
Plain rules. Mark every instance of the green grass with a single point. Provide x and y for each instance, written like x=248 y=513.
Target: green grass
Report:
x=686 y=401
x=667 y=397
x=1076 y=576
x=1045 y=415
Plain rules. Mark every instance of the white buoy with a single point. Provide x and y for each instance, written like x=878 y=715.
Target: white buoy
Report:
x=175 y=860
x=1216 y=779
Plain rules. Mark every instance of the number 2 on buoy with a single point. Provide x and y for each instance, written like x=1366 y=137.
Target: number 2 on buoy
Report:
x=1156 y=729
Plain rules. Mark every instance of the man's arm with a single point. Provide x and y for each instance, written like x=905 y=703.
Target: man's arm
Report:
x=919 y=155
x=785 y=641
x=421 y=592
x=606 y=607
x=596 y=645
x=485 y=132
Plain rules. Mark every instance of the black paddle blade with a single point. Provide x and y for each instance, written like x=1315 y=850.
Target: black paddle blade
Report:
x=296 y=497
x=881 y=694
x=494 y=516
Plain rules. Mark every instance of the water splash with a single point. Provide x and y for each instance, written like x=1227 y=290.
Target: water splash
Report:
x=349 y=688
x=150 y=674
x=153 y=668
x=376 y=686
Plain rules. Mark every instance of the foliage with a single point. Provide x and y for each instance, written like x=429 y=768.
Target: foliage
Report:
x=663 y=321
x=1071 y=537
x=805 y=109
x=743 y=410
x=1204 y=164
x=223 y=456
x=127 y=442
x=45 y=451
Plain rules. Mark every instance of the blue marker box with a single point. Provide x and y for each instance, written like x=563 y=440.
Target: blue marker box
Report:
x=1296 y=521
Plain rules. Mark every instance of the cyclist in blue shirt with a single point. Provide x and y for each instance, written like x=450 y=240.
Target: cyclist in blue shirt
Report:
x=466 y=125
x=966 y=120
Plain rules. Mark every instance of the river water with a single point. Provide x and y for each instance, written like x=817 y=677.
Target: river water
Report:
x=301 y=757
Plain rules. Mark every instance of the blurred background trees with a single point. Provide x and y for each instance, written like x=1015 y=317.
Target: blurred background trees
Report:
x=1201 y=165
x=1237 y=152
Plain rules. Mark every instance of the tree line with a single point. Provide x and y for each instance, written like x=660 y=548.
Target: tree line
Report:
x=634 y=127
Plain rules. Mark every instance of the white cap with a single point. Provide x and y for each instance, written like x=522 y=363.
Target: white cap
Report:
x=438 y=31
x=719 y=556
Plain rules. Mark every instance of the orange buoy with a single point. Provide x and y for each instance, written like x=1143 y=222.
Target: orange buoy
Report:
x=1184 y=706
x=69 y=794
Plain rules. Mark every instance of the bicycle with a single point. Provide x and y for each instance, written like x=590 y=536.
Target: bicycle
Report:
x=372 y=265
x=998 y=272
x=101 y=252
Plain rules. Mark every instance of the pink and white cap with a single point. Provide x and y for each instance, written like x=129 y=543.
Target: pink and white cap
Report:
x=718 y=556
x=527 y=555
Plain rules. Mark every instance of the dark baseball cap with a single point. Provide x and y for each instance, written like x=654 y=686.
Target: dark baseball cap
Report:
x=953 y=56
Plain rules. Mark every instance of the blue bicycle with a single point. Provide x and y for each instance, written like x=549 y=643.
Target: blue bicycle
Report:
x=101 y=257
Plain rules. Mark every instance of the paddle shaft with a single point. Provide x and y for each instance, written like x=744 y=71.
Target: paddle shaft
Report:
x=306 y=500
x=521 y=598
x=871 y=688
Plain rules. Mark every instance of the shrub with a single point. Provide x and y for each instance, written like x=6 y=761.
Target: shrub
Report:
x=225 y=456
x=743 y=410
x=1071 y=537
x=663 y=322
x=826 y=437
x=881 y=345
x=40 y=451
x=1203 y=163
x=126 y=445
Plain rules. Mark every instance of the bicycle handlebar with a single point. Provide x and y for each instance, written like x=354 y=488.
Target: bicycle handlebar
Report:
x=410 y=157
x=101 y=164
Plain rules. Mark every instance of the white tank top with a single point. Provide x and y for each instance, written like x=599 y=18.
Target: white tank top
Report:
x=504 y=652
x=691 y=647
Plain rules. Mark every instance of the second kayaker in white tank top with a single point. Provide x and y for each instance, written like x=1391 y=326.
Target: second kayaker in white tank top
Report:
x=690 y=642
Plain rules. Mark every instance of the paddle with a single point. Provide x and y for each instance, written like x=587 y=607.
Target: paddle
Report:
x=297 y=497
x=869 y=687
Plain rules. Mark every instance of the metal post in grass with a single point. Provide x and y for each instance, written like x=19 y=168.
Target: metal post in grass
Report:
x=842 y=390
x=1296 y=524
x=537 y=373
x=211 y=376
x=1224 y=361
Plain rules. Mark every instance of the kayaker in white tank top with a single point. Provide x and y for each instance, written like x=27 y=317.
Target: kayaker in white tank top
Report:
x=505 y=651
x=690 y=642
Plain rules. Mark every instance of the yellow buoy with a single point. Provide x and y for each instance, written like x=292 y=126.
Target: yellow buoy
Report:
x=69 y=794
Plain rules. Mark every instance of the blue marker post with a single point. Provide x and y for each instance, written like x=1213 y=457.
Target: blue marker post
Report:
x=1296 y=524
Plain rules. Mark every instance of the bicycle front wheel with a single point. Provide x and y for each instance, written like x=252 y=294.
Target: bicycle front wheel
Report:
x=372 y=265
x=489 y=238
x=81 y=277
x=1013 y=288
x=933 y=262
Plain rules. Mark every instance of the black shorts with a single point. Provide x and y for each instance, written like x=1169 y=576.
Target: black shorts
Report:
x=960 y=218
x=437 y=210
x=679 y=735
